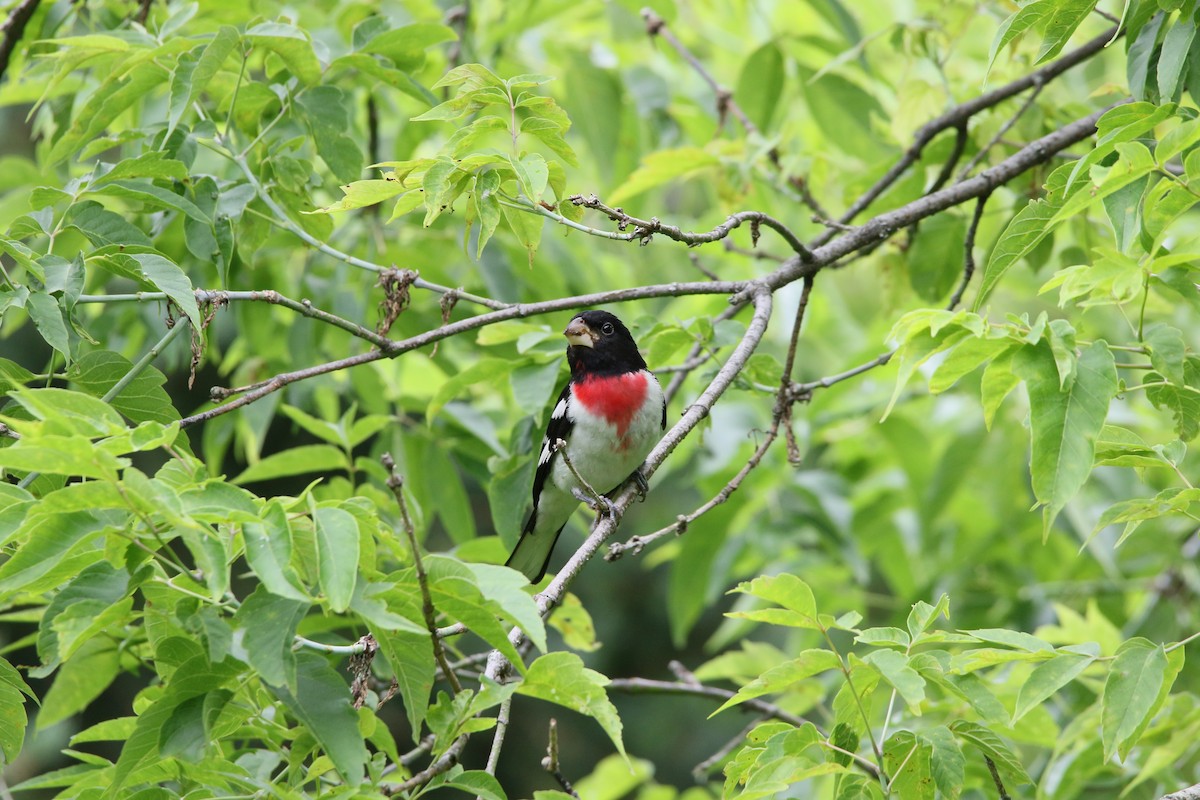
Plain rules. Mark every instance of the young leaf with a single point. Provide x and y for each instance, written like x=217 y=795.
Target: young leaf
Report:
x=337 y=555
x=1064 y=423
x=562 y=679
x=1046 y=679
x=1134 y=683
x=322 y=703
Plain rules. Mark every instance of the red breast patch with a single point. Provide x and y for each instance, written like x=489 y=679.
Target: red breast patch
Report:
x=616 y=398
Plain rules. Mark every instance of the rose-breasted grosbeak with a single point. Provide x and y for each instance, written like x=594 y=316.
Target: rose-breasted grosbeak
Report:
x=610 y=414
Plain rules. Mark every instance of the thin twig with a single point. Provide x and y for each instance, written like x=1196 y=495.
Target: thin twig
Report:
x=803 y=391
x=1003 y=794
x=969 y=252
x=550 y=762
x=396 y=483
x=498 y=740
x=644 y=229
x=334 y=649
x=726 y=105
x=398 y=346
x=964 y=111
x=1005 y=128
x=701 y=770
x=780 y=417
x=442 y=764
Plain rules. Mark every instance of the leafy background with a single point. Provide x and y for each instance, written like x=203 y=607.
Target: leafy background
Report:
x=182 y=602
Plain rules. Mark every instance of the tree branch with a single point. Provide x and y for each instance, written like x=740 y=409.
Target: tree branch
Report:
x=646 y=228
x=13 y=29
x=396 y=484
x=519 y=311
x=964 y=111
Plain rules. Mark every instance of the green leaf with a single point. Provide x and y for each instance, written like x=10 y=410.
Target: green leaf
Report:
x=301 y=460
x=456 y=593
x=483 y=370
x=47 y=316
x=1183 y=401
x=291 y=45
x=487 y=207
x=327 y=115
x=508 y=589
x=785 y=676
x=83 y=678
x=923 y=615
x=79 y=413
x=118 y=92
x=1134 y=683
x=475 y=782
x=103 y=227
x=194 y=677
x=1026 y=230
x=211 y=59
x=51 y=537
x=798 y=608
x=562 y=679
x=269 y=622
x=12 y=711
x=405 y=46
x=1175 y=48
x=269 y=552
x=907 y=761
x=142 y=400
x=1067 y=16
x=337 y=555
x=1033 y=13
x=760 y=84
x=363 y=193
x=1046 y=679
x=946 y=760
x=322 y=703
x=662 y=167
x=411 y=658
x=1166 y=352
x=527 y=227
x=894 y=668
x=151 y=195
x=990 y=745
x=1064 y=423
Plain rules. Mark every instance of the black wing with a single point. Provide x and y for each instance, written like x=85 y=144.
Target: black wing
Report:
x=559 y=427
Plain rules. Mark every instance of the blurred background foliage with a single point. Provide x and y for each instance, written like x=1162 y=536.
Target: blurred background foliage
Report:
x=873 y=515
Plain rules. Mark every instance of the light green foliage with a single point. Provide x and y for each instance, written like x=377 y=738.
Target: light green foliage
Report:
x=218 y=311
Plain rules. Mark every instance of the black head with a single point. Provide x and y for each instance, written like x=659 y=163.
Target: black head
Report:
x=599 y=344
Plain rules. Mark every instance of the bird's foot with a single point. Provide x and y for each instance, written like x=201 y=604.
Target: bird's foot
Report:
x=640 y=482
x=598 y=503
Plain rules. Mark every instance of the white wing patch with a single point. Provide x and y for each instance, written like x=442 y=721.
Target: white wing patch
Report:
x=546 y=452
x=560 y=410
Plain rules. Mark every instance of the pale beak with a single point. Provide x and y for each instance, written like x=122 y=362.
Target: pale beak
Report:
x=579 y=334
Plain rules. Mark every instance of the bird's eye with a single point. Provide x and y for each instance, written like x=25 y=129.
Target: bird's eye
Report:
x=607 y=329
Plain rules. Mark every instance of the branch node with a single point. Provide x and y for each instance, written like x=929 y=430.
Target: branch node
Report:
x=359 y=666
x=654 y=23
x=395 y=284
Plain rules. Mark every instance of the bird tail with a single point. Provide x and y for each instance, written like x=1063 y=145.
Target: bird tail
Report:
x=531 y=556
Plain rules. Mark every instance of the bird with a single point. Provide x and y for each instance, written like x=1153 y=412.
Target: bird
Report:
x=608 y=417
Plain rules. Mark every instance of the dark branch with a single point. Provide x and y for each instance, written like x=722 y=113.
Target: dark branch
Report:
x=969 y=252
x=964 y=111
x=13 y=29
